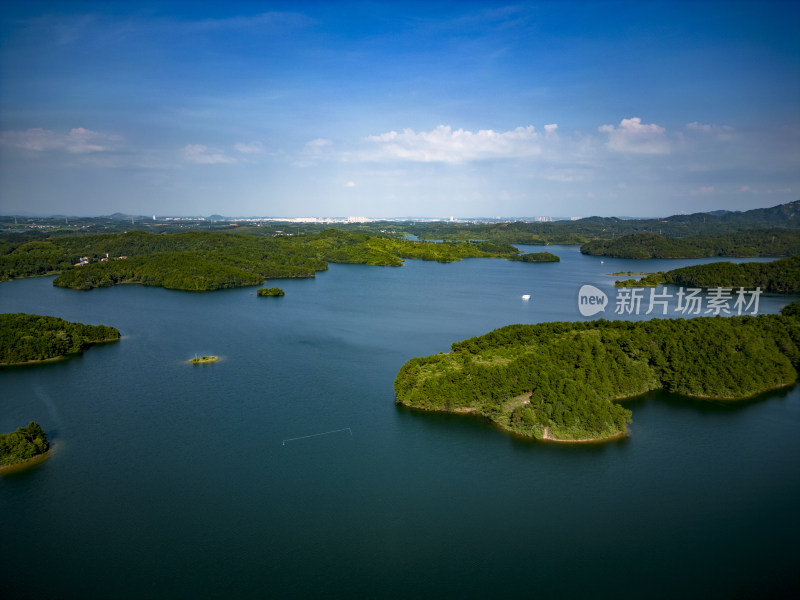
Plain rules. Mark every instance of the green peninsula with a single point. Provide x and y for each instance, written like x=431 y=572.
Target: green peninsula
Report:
x=782 y=276
x=26 y=338
x=22 y=445
x=562 y=381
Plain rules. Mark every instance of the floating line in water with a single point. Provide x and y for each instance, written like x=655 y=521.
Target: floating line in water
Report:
x=302 y=437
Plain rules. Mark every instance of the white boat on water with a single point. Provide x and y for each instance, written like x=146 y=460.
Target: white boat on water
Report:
x=526 y=297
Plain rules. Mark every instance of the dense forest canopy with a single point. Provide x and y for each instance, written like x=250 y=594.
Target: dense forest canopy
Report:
x=23 y=444
x=538 y=257
x=782 y=276
x=273 y=291
x=25 y=337
x=563 y=378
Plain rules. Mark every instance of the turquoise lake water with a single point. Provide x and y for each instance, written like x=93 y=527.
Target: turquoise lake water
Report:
x=168 y=480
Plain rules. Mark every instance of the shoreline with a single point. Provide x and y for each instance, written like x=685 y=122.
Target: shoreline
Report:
x=38 y=360
x=736 y=398
x=26 y=464
x=690 y=257
x=203 y=360
x=61 y=356
x=548 y=437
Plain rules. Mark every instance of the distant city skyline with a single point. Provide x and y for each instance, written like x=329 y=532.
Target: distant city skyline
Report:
x=322 y=219
x=469 y=109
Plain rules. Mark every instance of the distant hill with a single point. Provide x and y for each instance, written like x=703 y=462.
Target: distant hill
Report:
x=717 y=223
x=123 y=217
x=782 y=215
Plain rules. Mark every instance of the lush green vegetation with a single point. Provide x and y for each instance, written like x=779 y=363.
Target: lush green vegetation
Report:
x=753 y=242
x=199 y=261
x=538 y=257
x=563 y=378
x=174 y=270
x=337 y=246
x=200 y=360
x=23 y=444
x=791 y=310
x=273 y=291
x=781 y=276
x=25 y=337
x=26 y=258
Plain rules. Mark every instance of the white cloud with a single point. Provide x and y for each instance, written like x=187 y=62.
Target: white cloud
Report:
x=31 y=139
x=80 y=141
x=77 y=141
x=204 y=155
x=551 y=128
x=350 y=184
x=443 y=144
x=563 y=175
x=313 y=152
x=270 y=20
x=748 y=190
x=634 y=136
x=251 y=148
x=704 y=190
x=721 y=132
x=317 y=145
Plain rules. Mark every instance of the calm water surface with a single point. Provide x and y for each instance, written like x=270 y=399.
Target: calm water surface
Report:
x=168 y=480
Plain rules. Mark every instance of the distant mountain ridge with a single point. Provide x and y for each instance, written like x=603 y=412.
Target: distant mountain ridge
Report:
x=717 y=223
x=782 y=215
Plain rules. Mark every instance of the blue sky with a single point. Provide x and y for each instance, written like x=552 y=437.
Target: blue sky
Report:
x=378 y=109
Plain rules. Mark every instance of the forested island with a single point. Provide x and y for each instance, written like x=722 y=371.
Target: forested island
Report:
x=782 y=276
x=537 y=257
x=750 y=243
x=562 y=381
x=202 y=360
x=273 y=291
x=22 y=445
x=25 y=338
